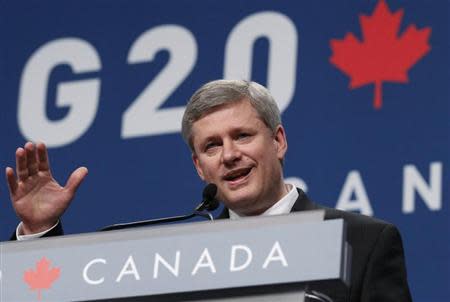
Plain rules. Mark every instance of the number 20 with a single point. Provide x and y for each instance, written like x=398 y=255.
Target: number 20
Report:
x=144 y=116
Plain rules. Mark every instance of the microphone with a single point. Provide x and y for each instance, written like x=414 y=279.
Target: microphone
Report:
x=209 y=203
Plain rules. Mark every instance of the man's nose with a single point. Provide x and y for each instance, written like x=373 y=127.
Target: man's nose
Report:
x=230 y=153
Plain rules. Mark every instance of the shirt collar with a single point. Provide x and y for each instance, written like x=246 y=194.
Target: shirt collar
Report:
x=282 y=206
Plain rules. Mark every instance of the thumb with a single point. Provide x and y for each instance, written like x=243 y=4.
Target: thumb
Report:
x=76 y=178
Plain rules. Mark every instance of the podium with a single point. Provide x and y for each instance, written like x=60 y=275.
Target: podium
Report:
x=254 y=259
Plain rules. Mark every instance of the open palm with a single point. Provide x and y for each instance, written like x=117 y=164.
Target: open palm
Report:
x=37 y=197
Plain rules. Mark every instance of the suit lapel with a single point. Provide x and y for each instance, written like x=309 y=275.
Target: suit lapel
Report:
x=303 y=203
x=224 y=214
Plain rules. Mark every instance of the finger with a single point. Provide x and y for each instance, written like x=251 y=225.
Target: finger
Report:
x=31 y=158
x=21 y=164
x=11 y=179
x=75 y=179
x=43 y=163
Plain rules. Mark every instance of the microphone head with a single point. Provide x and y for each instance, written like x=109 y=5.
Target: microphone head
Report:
x=209 y=192
x=209 y=197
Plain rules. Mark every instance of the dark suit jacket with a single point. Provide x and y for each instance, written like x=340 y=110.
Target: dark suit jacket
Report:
x=378 y=271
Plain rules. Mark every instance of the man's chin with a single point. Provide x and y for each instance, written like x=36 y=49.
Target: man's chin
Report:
x=239 y=202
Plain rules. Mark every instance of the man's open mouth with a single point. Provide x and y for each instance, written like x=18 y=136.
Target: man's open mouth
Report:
x=237 y=174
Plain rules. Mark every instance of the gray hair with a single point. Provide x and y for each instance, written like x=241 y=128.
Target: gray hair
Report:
x=221 y=92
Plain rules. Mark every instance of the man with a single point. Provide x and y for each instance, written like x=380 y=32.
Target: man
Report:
x=237 y=141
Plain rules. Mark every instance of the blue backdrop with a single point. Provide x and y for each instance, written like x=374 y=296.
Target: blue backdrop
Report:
x=104 y=83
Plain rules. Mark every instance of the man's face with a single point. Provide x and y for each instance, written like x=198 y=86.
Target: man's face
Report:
x=234 y=149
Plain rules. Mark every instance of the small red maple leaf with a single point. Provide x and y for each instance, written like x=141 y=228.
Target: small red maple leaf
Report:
x=383 y=56
x=42 y=277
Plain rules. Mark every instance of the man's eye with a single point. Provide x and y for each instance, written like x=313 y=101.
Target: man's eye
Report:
x=209 y=146
x=243 y=135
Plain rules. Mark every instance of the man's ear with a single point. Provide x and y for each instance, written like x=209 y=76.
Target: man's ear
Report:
x=197 y=166
x=280 y=141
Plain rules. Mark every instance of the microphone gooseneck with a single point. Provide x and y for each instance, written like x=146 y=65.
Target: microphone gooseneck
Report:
x=209 y=203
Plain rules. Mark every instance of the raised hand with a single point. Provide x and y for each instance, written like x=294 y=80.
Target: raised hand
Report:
x=37 y=197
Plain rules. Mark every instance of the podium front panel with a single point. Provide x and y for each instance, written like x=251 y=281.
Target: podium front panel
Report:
x=175 y=259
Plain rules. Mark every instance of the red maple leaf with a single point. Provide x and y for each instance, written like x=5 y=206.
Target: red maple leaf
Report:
x=42 y=277
x=383 y=56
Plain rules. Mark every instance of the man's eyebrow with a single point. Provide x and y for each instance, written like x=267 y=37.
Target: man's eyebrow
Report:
x=208 y=138
x=244 y=127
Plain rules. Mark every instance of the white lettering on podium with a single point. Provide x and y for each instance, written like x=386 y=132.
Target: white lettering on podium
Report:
x=430 y=193
x=204 y=261
x=354 y=186
x=248 y=253
x=88 y=266
x=173 y=269
x=276 y=254
x=241 y=257
x=129 y=268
